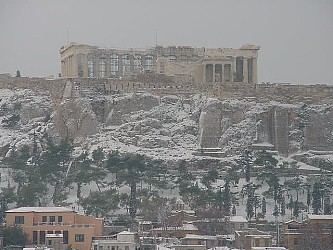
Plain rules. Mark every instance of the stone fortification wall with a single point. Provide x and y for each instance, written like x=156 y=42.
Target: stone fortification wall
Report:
x=54 y=87
x=284 y=93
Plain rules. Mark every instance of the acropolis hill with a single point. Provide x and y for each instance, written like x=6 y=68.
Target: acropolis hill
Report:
x=172 y=101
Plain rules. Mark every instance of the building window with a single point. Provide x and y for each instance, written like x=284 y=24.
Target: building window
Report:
x=95 y=247
x=79 y=237
x=52 y=219
x=267 y=242
x=44 y=219
x=19 y=219
x=34 y=237
x=59 y=219
x=42 y=237
x=113 y=248
x=100 y=248
x=256 y=242
x=65 y=235
x=126 y=247
x=295 y=242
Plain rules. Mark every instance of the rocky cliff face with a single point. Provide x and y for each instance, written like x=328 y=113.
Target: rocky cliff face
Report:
x=167 y=127
x=23 y=113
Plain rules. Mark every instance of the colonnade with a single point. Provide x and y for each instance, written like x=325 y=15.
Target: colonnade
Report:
x=106 y=65
x=240 y=70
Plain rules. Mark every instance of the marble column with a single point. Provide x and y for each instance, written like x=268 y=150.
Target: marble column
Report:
x=245 y=71
x=254 y=71
x=204 y=80
x=120 y=65
x=85 y=65
x=131 y=57
x=233 y=69
x=222 y=72
x=143 y=63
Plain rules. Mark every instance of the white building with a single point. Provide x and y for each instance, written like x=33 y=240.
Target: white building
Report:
x=122 y=241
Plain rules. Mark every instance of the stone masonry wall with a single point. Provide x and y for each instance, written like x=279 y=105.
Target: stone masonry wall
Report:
x=284 y=93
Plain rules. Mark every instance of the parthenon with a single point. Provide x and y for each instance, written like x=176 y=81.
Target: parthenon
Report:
x=195 y=65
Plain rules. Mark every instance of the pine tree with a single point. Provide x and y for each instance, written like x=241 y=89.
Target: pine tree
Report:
x=246 y=162
x=18 y=73
x=56 y=168
x=132 y=169
x=101 y=204
x=98 y=160
x=13 y=235
x=83 y=172
x=211 y=176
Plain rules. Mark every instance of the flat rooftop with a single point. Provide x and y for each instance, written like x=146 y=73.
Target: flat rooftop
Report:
x=39 y=210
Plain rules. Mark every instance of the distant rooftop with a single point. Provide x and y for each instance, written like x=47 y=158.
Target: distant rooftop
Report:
x=238 y=219
x=126 y=233
x=39 y=209
x=200 y=237
x=320 y=217
x=269 y=248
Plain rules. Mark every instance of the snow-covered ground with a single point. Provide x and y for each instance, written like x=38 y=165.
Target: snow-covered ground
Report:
x=168 y=128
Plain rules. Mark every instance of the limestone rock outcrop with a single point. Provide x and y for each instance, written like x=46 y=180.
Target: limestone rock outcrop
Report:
x=162 y=126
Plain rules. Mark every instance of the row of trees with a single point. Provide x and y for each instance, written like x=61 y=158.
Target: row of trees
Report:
x=52 y=171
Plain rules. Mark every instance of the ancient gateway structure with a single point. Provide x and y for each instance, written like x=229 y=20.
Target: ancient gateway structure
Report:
x=184 y=63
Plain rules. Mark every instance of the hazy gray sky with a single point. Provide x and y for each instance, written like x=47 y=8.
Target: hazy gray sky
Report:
x=296 y=36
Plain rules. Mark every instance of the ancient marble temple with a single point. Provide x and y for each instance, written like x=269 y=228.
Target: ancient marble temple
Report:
x=185 y=63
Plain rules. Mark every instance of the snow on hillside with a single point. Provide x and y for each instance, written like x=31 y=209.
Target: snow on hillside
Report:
x=32 y=110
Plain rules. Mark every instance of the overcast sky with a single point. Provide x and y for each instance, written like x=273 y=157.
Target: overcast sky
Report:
x=296 y=36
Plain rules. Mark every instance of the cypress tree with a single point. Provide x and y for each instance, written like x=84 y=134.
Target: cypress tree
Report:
x=308 y=198
x=249 y=207
x=316 y=198
x=263 y=206
x=296 y=209
x=283 y=206
x=233 y=210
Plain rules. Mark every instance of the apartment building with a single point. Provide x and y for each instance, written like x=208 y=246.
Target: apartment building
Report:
x=77 y=230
